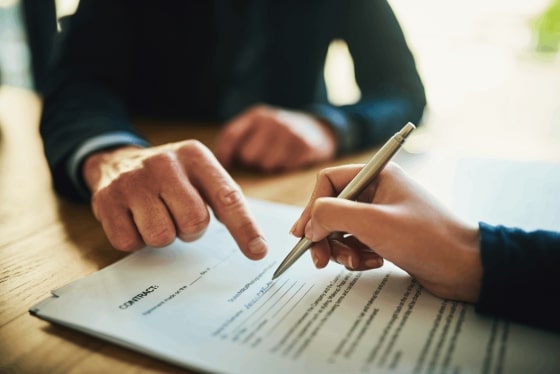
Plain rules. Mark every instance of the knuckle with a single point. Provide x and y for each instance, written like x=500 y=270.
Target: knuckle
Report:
x=230 y=196
x=194 y=226
x=195 y=154
x=159 y=236
x=122 y=186
x=317 y=207
x=163 y=159
x=104 y=201
x=319 y=211
x=126 y=243
x=326 y=173
x=191 y=236
x=192 y=147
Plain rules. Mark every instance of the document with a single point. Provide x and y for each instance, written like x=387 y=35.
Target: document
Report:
x=204 y=306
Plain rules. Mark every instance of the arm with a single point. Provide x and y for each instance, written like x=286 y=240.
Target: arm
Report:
x=141 y=196
x=392 y=92
x=84 y=92
x=304 y=128
x=520 y=279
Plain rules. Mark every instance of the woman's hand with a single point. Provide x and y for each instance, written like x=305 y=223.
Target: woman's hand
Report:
x=395 y=218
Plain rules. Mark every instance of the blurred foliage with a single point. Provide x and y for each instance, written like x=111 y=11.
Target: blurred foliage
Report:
x=547 y=29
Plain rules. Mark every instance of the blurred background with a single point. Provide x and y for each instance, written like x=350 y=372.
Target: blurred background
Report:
x=491 y=69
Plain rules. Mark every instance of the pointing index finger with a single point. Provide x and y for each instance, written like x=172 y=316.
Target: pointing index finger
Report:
x=224 y=196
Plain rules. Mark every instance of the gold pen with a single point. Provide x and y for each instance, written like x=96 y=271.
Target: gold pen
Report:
x=368 y=173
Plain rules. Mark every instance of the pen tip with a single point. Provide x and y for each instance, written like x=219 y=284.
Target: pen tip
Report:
x=277 y=273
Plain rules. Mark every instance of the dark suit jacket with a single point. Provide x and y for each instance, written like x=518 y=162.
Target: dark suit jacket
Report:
x=209 y=60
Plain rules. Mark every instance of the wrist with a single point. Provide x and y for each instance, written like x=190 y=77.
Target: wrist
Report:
x=94 y=163
x=470 y=264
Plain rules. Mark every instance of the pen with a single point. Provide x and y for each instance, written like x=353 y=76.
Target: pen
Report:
x=368 y=173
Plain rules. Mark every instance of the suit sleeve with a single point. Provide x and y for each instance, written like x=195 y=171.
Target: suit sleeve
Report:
x=85 y=86
x=520 y=279
x=392 y=92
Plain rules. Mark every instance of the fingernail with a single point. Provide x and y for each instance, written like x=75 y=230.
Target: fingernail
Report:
x=293 y=228
x=309 y=230
x=257 y=246
x=315 y=260
x=343 y=260
x=373 y=262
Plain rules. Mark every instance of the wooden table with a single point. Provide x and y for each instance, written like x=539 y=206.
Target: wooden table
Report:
x=46 y=242
x=492 y=103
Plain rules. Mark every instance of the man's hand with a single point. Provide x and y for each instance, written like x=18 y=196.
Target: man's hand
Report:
x=151 y=196
x=272 y=139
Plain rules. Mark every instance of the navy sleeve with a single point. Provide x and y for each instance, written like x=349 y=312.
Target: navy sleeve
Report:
x=392 y=92
x=83 y=96
x=520 y=280
x=281 y=61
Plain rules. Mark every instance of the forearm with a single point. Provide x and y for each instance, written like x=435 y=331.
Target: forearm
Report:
x=72 y=118
x=84 y=90
x=80 y=118
x=392 y=92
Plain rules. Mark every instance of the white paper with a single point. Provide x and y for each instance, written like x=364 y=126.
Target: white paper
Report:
x=204 y=306
x=523 y=194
